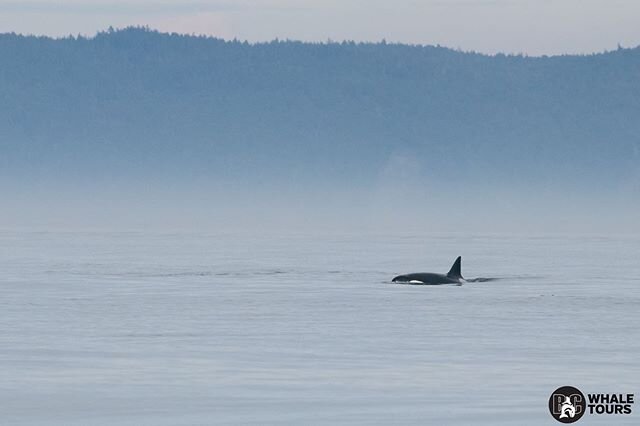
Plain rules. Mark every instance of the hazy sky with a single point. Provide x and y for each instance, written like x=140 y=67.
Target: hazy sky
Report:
x=529 y=26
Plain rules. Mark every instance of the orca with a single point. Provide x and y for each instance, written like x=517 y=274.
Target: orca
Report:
x=454 y=276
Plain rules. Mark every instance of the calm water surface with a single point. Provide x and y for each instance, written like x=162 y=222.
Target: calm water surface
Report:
x=186 y=329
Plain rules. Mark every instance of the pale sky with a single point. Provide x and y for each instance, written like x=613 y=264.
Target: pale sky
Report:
x=533 y=27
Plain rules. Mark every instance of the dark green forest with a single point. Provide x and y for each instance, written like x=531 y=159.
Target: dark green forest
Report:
x=138 y=103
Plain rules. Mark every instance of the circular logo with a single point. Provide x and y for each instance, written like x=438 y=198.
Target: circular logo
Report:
x=567 y=404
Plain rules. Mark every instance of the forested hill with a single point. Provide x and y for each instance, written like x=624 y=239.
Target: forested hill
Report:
x=136 y=102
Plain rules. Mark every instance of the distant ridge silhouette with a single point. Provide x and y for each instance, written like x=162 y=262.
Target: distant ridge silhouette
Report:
x=136 y=101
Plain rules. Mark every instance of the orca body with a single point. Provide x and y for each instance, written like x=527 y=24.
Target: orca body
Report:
x=454 y=276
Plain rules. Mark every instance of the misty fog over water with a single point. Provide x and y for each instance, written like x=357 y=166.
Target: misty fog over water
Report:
x=136 y=129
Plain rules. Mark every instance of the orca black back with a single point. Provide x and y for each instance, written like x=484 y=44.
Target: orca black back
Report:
x=454 y=276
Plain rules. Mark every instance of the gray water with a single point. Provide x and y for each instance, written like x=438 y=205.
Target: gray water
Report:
x=185 y=329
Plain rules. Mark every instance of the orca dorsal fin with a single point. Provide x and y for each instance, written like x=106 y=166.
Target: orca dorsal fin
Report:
x=455 y=271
